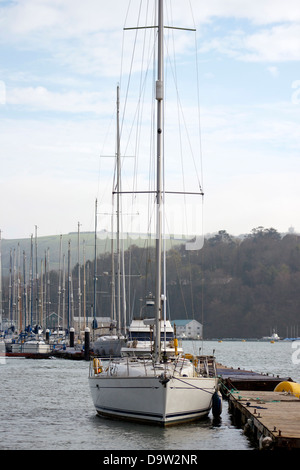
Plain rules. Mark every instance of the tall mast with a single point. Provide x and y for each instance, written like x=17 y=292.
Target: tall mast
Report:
x=48 y=296
x=0 y=281
x=64 y=292
x=36 y=280
x=158 y=249
x=79 y=287
x=10 y=290
x=118 y=220
x=69 y=286
x=14 y=302
x=24 y=291
x=113 y=290
x=95 y=268
x=31 y=282
x=41 y=303
x=84 y=287
x=19 y=307
x=59 y=283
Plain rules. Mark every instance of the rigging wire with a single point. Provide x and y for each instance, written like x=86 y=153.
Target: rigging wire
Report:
x=140 y=113
x=135 y=132
x=181 y=119
x=201 y=167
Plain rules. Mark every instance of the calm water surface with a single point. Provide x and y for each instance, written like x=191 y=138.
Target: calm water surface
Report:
x=46 y=404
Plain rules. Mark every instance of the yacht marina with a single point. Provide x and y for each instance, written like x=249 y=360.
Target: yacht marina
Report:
x=112 y=372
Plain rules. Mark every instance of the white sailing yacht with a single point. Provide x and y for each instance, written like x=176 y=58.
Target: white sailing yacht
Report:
x=158 y=390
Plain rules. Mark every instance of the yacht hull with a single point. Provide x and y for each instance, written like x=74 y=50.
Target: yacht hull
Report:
x=153 y=399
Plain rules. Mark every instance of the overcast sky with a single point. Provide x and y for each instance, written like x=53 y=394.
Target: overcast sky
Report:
x=60 y=62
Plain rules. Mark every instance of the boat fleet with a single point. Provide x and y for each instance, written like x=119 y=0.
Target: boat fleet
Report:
x=137 y=342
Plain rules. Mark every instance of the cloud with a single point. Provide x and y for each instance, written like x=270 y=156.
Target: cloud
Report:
x=275 y=44
x=296 y=94
x=48 y=202
x=54 y=147
x=258 y=12
x=273 y=70
x=42 y=99
x=255 y=202
x=2 y=92
x=85 y=38
x=279 y=44
x=61 y=63
x=60 y=18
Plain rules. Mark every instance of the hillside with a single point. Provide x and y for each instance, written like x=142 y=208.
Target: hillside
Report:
x=237 y=287
x=52 y=243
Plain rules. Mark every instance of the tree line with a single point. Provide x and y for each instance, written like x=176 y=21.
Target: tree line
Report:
x=235 y=287
x=246 y=288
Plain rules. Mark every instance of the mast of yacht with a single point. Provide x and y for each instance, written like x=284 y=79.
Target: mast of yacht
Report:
x=10 y=306
x=0 y=281
x=30 y=311
x=84 y=287
x=79 y=286
x=120 y=253
x=24 y=291
x=158 y=246
x=95 y=270
x=41 y=302
x=69 y=287
x=36 y=280
x=59 y=283
x=19 y=297
x=118 y=221
x=48 y=293
x=64 y=293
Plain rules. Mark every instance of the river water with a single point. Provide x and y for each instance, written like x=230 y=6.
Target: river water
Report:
x=46 y=404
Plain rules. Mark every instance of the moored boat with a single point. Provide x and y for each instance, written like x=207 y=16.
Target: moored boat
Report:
x=158 y=389
x=140 y=340
x=109 y=345
x=30 y=348
x=167 y=393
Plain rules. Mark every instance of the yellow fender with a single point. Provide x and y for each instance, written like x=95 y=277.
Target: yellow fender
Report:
x=289 y=387
x=189 y=356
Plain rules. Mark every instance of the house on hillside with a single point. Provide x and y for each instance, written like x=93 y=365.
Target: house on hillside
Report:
x=188 y=329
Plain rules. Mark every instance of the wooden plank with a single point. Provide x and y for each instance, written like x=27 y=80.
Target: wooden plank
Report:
x=273 y=414
x=261 y=411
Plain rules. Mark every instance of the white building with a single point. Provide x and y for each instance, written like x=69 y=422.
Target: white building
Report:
x=188 y=329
